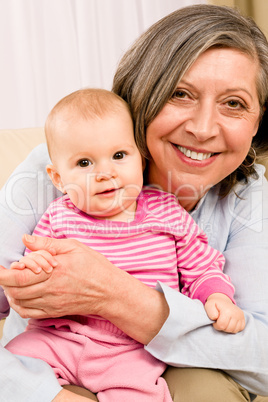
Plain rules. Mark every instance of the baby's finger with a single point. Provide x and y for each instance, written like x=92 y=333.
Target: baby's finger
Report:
x=32 y=264
x=222 y=322
x=48 y=257
x=231 y=328
x=212 y=311
x=237 y=321
x=230 y=325
x=240 y=326
x=17 y=265
x=37 y=262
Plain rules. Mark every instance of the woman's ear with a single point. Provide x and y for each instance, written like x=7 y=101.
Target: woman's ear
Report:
x=55 y=178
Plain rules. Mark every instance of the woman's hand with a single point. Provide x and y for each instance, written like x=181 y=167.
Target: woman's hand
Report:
x=84 y=282
x=75 y=285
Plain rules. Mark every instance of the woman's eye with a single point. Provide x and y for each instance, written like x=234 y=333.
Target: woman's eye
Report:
x=119 y=155
x=84 y=163
x=234 y=104
x=179 y=94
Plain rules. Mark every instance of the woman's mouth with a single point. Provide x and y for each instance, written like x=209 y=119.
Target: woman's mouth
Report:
x=199 y=156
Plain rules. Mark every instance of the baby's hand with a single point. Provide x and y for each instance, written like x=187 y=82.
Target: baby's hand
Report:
x=36 y=261
x=228 y=317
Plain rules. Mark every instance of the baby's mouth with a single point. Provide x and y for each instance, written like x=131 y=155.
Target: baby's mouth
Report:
x=108 y=191
x=200 y=156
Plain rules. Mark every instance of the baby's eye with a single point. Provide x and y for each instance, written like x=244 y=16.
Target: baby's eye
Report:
x=84 y=163
x=119 y=155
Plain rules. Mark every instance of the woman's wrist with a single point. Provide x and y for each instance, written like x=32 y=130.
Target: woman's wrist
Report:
x=135 y=308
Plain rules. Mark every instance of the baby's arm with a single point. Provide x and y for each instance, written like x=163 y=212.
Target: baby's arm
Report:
x=227 y=316
x=36 y=261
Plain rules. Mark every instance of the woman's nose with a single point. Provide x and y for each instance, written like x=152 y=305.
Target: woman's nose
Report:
x=203 y=124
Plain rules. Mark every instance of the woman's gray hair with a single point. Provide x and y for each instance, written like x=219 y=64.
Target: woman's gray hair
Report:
x=148 y=73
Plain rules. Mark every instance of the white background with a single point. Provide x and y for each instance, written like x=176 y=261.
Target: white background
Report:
x=50 y=48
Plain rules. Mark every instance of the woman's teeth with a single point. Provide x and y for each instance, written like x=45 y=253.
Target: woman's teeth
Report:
x=194 y=155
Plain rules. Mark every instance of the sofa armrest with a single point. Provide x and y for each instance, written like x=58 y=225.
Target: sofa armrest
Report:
x=1 y=327
x=15 y=145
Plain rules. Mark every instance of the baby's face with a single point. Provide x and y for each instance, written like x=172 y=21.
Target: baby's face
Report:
x=100 y=165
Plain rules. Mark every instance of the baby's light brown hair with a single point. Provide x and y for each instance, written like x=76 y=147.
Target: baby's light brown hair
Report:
x=87 y=103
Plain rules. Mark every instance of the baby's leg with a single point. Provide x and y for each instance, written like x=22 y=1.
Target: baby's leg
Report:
x=60 y=353
x=124 y=373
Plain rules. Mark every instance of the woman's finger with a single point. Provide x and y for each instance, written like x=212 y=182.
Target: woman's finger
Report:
x=53 y=246
x=20 y=278
x=26 y=312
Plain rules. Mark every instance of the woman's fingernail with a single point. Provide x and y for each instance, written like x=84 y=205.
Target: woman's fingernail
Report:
x=29 y=238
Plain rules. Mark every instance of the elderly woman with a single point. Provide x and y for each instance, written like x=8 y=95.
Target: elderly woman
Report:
x=197 y=83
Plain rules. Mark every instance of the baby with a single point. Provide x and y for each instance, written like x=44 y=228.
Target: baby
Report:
x=97 y=165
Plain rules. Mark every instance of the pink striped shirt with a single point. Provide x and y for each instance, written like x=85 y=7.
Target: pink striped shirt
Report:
x=162 y=243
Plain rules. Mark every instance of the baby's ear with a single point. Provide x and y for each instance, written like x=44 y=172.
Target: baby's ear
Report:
x=55 y=178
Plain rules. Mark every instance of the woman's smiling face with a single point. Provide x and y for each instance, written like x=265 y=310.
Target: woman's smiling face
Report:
x=205 y=131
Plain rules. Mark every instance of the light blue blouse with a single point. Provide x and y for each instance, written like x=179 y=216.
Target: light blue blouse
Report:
x=236 y=225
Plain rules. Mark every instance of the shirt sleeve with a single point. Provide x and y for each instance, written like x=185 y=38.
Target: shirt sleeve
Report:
x=22 y=201
x=187 y=339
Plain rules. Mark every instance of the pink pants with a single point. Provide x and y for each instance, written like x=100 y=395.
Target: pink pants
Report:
x=97 y=356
